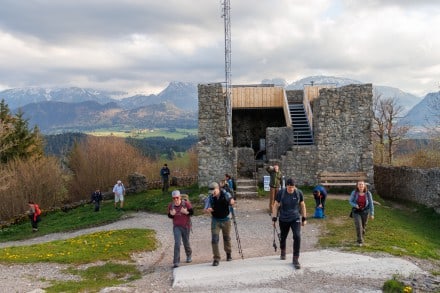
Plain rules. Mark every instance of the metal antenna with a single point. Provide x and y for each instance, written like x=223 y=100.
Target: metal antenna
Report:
x=227 y=21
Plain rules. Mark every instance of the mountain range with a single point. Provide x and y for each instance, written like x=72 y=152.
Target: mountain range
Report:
x=77 y=109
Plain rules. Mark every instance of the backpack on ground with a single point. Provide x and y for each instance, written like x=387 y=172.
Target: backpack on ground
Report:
x=319 y=213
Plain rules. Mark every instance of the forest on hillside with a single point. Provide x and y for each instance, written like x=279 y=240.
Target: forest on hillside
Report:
x=153 y=147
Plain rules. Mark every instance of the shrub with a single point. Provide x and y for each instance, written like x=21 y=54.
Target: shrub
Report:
x=98 y=162
x=40 y=180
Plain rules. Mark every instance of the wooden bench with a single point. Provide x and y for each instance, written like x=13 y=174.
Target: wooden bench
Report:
x=341 y=178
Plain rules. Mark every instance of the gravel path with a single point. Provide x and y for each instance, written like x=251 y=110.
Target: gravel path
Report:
x=256 y=238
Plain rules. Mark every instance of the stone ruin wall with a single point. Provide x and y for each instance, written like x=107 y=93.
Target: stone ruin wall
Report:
x=342 y=132
x=215 y=151
x=342 y=124
x=343 y=121
x=409 y=184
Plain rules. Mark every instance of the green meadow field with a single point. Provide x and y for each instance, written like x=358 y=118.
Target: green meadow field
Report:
x=177 y=133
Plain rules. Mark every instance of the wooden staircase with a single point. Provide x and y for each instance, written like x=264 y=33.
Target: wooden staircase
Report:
x=246 y=188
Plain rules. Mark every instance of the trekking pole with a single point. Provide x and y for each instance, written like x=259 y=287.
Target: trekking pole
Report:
x=236 y=232
x=275 y=231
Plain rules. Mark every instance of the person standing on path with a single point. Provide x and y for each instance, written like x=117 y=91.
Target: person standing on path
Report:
x=96 y=199
x=217 y=205
x=361 y=201
x=119 y=191
x=290 y=207
x=180 y=211
x=275 y=183
x=34 y=215
x=164 y=175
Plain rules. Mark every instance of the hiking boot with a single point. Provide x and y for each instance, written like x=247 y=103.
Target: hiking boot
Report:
x=175 y=265
x=188 y=259
x=296 y=263
x=283 y=255
x=215 y=263
x=228 y=257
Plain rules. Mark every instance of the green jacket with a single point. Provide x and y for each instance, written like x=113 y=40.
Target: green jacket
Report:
x=275 y=177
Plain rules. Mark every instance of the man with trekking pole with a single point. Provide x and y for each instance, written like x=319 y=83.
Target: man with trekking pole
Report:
x=217 y=205
x=290 y=209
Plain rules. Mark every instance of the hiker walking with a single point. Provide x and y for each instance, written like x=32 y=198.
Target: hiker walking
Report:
x=290 y=207
x=119 y=191
x=180 y=211
x=275 y=183
x=164 y=175
x=320 y=195
x=230 y=184
x=362 y=205
x=217 y=205
x=96 y=199
x=34 y=215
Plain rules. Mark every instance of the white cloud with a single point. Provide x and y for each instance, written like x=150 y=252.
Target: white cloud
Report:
x=141 y=45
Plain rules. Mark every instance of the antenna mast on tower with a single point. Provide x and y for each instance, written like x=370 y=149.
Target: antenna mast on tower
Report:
x=227 y=21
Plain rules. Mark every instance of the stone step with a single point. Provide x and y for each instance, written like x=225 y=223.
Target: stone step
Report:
x=246 y=188
x=248 y=194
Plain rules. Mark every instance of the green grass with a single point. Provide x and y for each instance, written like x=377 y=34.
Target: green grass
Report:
x=96 y=277
x=103 y=246
x=410 y=231
x=106 y=246
x=84 y=216
x=135 y=133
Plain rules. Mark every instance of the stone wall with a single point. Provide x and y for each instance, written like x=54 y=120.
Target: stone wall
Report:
x=215 y=150
x=245 y=162
x=278 y=141
x=300 y=163
x=410 y=184
x=295 y=96
x=342 y=123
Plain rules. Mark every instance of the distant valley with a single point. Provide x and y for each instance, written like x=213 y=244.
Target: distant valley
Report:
x=82 y=110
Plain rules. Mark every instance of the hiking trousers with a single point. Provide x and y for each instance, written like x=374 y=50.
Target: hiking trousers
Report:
x=272 y=195
x=360 y=223
x=181 y=234
x=225 y=228
x=165 y=184
x=295 y=226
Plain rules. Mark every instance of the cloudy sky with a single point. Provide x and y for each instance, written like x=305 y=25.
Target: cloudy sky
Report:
x=139 y=46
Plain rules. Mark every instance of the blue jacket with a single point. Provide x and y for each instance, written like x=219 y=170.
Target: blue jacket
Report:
x=321 y=189
x=369 y=205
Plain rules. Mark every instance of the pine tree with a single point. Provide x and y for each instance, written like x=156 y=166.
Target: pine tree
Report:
x=17 y=141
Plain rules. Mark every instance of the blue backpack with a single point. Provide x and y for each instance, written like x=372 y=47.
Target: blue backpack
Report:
x=319 y=213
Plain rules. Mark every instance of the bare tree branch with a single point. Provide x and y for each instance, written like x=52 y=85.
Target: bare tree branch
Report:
x=386 y=129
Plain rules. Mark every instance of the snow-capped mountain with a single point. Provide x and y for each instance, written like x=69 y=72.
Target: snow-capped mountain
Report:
x=16 y=98
x=183 y=95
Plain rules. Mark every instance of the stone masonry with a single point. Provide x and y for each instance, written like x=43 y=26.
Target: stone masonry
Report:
x=342 y=125
x=215 y=150
x=409 y=184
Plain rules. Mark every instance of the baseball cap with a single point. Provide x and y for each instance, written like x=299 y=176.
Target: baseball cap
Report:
x=212 y=186
x=175 y=193
x=290 y=182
